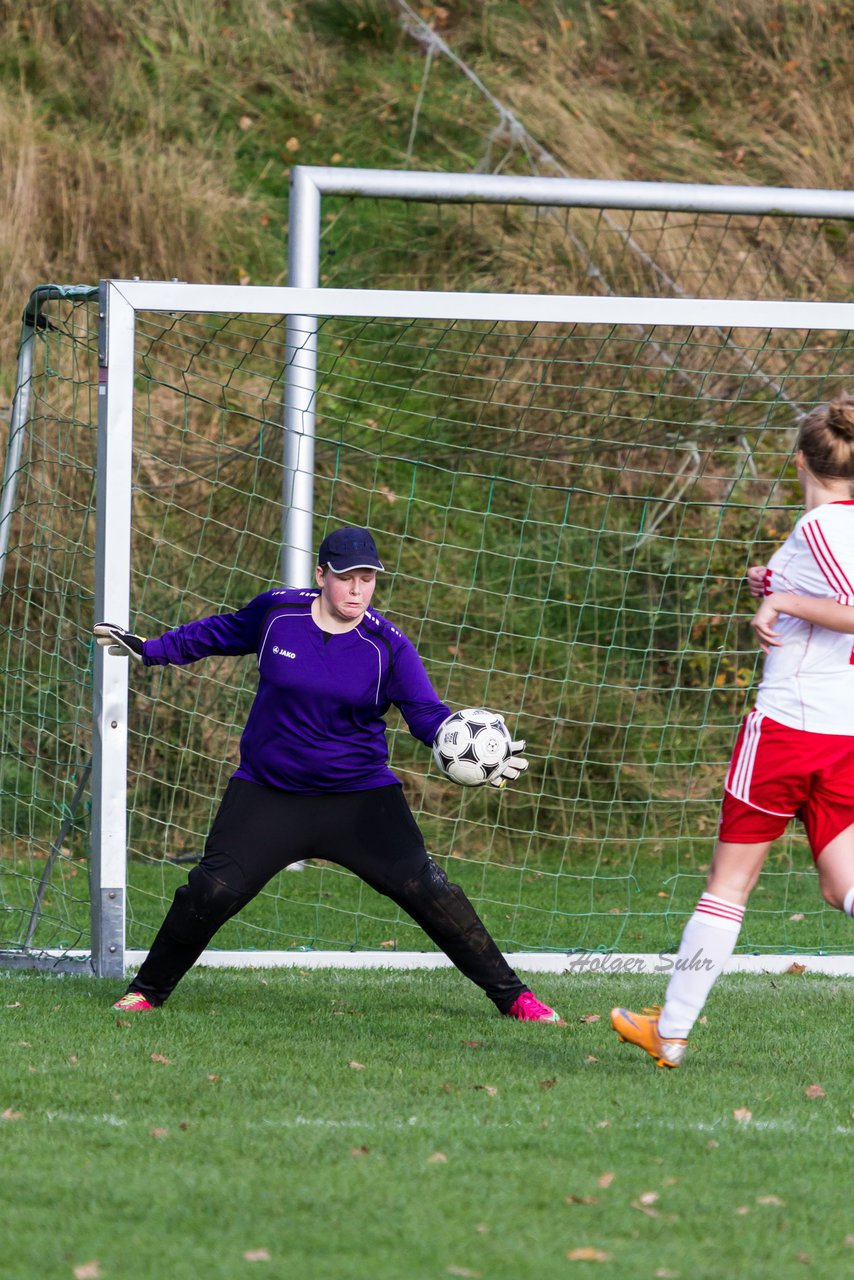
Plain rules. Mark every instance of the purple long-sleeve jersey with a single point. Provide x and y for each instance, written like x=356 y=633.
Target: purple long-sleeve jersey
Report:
x=316 y=723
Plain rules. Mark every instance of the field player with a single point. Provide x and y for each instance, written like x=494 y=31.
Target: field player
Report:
x=314 y=779
x=794 y=756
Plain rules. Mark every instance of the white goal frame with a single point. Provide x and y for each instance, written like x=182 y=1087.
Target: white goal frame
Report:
x=120 y=300
x=311 y=183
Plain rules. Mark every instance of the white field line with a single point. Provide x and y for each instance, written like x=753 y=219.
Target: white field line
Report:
x=569 y=963
x=723 y=1123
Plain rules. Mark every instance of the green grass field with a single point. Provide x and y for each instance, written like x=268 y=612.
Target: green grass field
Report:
x=368 y=1125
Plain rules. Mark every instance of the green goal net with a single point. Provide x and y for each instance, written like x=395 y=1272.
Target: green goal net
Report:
x=567 y=508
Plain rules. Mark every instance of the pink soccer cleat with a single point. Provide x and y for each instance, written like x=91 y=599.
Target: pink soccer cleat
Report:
x=527 y=1008
x=133 y=1002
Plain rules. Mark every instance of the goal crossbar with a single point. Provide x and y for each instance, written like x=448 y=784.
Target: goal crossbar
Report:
x=402 y=304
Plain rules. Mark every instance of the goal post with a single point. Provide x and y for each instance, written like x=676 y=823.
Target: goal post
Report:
x=566 y=491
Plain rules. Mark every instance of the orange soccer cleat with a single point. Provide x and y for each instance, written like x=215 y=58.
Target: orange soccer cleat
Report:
x=642 y=1029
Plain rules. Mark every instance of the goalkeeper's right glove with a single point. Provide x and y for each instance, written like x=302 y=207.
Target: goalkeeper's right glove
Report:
x=118 y=641
x=513 y=766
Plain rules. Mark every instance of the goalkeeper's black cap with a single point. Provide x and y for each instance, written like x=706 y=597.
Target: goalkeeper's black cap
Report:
x=351 y=548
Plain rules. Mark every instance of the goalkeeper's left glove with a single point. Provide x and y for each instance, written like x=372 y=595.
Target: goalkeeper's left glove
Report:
x=513 y=766
x=124 y=644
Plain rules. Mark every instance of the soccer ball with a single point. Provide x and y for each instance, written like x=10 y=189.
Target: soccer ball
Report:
x=471 y=746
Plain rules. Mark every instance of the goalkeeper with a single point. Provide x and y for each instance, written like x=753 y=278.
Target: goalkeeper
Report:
x=314 y=779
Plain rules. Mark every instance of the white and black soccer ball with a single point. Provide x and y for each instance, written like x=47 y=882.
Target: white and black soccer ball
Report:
x=472 y=746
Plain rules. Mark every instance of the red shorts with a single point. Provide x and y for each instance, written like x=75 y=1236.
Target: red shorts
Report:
x=777 y=774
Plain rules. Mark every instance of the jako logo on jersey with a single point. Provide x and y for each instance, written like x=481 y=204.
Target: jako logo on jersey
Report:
x=283 y=653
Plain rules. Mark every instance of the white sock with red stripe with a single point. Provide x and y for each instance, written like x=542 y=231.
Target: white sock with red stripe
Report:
x=848 y=902
x=707 y=943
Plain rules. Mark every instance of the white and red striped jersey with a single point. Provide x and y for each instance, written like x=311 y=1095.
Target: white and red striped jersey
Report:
x=808 y=680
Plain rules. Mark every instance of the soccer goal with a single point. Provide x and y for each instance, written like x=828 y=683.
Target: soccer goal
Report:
x=567 y=491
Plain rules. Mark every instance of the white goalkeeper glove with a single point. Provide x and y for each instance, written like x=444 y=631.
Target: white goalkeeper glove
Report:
x=118 y=641
x=513 y=766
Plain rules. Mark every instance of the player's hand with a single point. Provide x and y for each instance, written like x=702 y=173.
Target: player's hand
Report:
x=763 y=622
x=118 y=641
x=756 y=579
x=513 y=766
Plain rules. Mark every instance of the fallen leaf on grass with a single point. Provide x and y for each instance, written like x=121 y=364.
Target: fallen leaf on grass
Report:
x=357 y=1066
x=815 y=1091
x=473 y=1044
x=796 y=968
x=590 y=1017
x=742 y=1210
x=158 y=1057
x=10 y=1114
x=769 y=1200
x=465 y=1272
x=159 y=1133
x=438 y=1157
x=16 y=1004
x=257 y=1255
x=848 y=1242
x=580 y=1200
x=213 y=1079
x=87 y=1270
x=799 y=915
x=488 y=1089
x=548 y=1084
x=645 y=1203
x=742 y=1115
x=588 y=1254
x=605 y=1179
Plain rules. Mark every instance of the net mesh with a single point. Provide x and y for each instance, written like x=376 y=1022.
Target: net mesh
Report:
x=567 y=513
x=390 y=243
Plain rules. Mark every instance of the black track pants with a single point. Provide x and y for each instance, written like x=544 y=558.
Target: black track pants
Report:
x=259 y=831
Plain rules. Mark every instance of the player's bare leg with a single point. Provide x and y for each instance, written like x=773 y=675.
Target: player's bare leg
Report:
x=835 y=866
x=707 y=943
